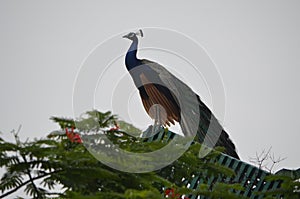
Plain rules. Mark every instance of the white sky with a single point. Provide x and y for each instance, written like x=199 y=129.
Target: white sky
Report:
x=255 y=45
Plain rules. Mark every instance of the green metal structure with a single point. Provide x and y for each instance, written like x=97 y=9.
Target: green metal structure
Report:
x=249 y=176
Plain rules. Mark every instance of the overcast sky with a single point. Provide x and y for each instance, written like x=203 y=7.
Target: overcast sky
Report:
x=255 y=46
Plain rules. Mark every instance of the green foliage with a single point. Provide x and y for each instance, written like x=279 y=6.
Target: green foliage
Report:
x=219 y=190
x=43 y=166
x=129 y=128
x=290 y=184
x=140 y=194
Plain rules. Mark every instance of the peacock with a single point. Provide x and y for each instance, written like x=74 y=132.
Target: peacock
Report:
x=168 y=100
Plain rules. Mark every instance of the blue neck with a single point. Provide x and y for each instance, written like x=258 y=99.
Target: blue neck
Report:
x=131 y=60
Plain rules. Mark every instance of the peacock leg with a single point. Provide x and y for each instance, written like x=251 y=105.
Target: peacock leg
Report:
x=156 y=111
x=157 y=119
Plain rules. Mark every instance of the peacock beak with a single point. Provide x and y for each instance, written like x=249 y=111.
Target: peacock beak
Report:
x=126 y=36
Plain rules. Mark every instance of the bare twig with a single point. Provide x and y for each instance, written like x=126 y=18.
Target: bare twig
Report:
x=274 y=161
x=16 y=134
x=266 y=160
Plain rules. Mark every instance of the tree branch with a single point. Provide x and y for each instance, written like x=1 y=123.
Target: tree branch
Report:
x=30 y=178
x=26 y=182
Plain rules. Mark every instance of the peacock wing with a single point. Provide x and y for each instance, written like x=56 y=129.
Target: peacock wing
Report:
x=159 y=101
x=183 y=95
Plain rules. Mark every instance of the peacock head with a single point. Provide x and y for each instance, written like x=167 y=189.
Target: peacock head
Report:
x=133 y=36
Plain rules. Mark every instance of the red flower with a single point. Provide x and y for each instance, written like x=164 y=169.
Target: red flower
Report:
x=170 y=193
x=116 y=128
x=73 y=137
